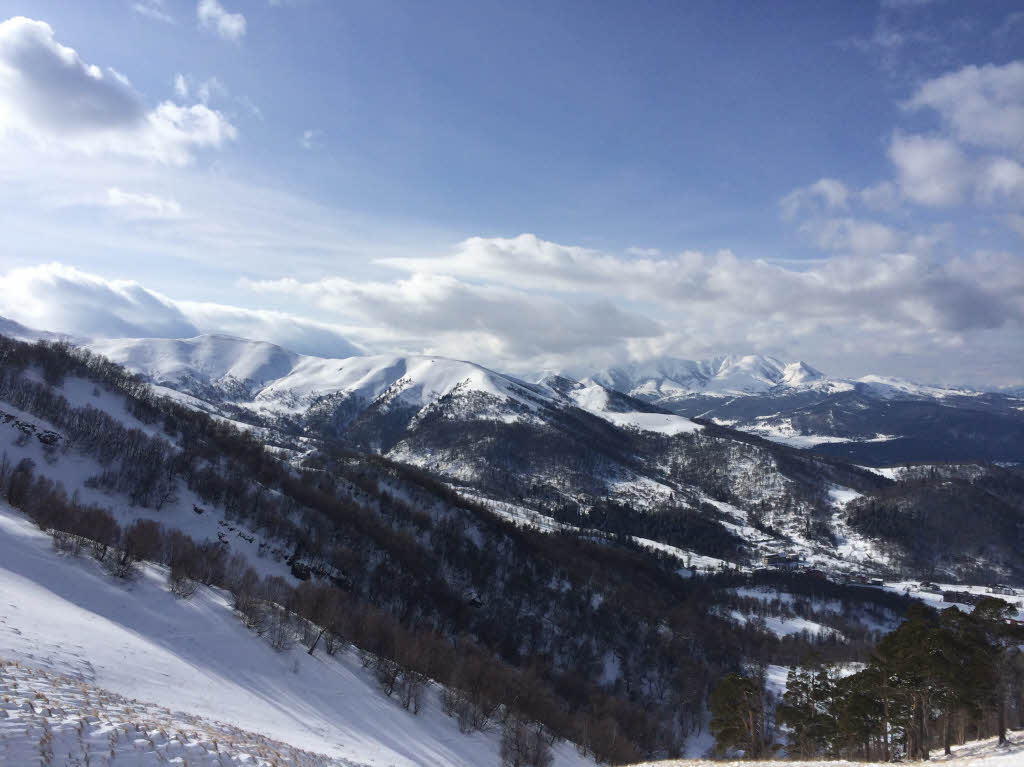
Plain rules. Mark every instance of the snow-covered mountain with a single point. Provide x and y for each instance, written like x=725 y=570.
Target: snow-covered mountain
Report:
x=662 y=380
x=872 y=419
x=268 y=379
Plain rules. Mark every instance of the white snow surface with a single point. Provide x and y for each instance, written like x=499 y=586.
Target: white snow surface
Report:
x=979 y=753
x=783 y=627
x=888 y=386
x=135 y=639
x=50 y=718
x=594 y=399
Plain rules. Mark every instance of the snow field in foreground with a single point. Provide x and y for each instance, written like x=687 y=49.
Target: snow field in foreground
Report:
x=54 y=719
x=979 y=753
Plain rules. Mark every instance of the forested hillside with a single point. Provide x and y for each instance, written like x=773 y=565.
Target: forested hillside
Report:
x=588 y=635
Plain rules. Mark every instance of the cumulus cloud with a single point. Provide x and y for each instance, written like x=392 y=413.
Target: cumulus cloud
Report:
x=50 y=85
x=51 y=95
x=213 y=16
x=522 y=302
x=930 y=170
x=825 y=193
x=983 y=106
x=1002 y=179
x=67 y=300
x=853 y=235
x=443 y=312
x=853 y=286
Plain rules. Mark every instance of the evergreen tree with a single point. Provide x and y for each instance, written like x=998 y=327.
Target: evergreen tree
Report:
x=809 y=709
x=737 y=716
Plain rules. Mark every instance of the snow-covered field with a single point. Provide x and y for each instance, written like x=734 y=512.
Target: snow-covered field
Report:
x=981 y=753
x=48 y=718
x=67 y=617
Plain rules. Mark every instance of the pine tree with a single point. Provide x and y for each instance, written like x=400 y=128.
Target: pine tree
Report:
x=737 y=708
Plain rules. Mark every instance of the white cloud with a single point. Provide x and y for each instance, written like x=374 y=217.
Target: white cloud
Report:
x=450 y=316
x=154 y=9
x=51 y=96
x=213 y=16
x=86 y=305
x=1002 y=179
x=983 y=106
x=61 y=297
x=853 y=235
x=931 y=171
x=825 y=193
x=205 y=90
x=136 y=205
x=296 y=333
x=44 y=83
x=525 y=302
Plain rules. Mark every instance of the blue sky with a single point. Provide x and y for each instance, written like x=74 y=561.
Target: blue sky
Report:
x=527 y=184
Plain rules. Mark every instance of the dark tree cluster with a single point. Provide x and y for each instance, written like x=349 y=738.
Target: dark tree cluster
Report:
x=937 y=680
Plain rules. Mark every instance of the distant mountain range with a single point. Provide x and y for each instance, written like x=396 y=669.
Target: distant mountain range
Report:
x=666 y=379
x=873 y=419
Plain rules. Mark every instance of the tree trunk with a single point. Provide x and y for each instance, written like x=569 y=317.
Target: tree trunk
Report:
x=947 y=737
x=924 y=727
x=1002 y=719
x=313 y=647
x=885 y=726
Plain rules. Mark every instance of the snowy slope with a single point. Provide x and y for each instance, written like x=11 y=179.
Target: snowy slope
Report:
x=981 y=753
x=49 y=718
x=13 y=329
x=888 y=386
x=137 y=640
